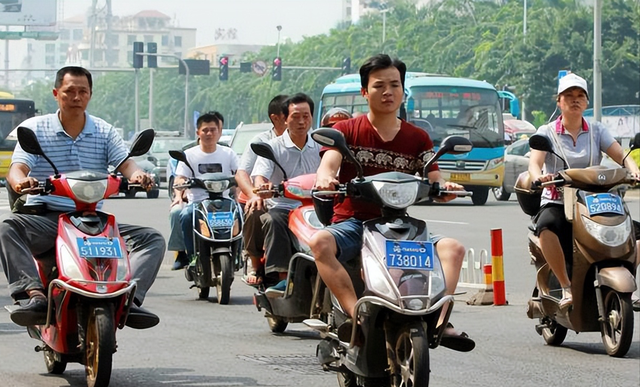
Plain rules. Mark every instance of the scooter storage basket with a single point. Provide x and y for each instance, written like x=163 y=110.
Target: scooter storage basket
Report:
x=528 y=197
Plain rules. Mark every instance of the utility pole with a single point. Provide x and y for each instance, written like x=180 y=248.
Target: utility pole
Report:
x=524 y=40
x=597 y=58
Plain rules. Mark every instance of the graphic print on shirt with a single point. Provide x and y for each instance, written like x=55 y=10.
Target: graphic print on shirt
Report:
x=209 y=168
x=393 y=161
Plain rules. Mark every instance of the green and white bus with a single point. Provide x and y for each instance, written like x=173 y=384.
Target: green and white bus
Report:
x=443 y=106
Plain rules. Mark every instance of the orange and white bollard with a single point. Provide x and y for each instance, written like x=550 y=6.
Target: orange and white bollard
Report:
x=497 y=270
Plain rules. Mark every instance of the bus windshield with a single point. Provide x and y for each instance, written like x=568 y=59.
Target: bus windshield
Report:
x=353 y=102
x=469 y=112
x=12 y=114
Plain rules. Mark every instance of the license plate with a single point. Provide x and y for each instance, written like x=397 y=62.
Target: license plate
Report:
x=220 y=219
x=99 y=247
x=460 y=177
x=604 y=203
x=410 y=255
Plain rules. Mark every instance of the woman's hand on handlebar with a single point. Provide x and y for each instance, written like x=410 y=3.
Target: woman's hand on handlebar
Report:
x=546 y=178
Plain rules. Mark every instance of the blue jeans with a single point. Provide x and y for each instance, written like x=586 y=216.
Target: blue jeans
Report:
x=186 y=222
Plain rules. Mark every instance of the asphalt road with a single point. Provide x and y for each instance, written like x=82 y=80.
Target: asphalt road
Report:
x=200 y=343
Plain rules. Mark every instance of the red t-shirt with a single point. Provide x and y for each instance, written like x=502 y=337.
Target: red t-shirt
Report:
x=407 y=153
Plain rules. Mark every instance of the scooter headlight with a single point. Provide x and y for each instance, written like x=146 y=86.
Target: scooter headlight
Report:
x=377 y=276
x=68 y=264
x=609 y=235
x=88 y=191
x=397 y=195
x=216 y=186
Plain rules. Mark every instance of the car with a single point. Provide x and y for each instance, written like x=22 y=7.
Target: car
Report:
x=146 y=165
x=159 y=153
x=11 y=5
x=244 y=133
x=227 y=134
x=516 y=161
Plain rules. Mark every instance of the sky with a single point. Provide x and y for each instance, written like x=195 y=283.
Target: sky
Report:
x=254 y=20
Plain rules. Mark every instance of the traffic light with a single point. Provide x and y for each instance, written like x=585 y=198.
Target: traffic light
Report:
x=152 y=60
x=346 y=66
x=224 y=68
x=276 y=75
x=138 y=47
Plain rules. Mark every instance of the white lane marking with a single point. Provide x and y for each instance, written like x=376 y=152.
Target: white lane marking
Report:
x=443 y=221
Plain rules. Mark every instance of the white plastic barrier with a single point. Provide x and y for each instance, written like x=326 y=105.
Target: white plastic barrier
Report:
x=471 y=275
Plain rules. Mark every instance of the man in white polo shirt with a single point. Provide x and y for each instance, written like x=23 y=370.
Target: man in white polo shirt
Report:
x=298 y=154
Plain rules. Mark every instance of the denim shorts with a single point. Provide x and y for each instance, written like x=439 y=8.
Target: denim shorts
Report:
x=348 y=236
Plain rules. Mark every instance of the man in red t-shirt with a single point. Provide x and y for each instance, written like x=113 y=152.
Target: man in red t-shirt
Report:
x=381 y=142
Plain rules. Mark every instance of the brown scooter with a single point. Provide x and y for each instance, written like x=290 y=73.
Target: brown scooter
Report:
x=603 y=266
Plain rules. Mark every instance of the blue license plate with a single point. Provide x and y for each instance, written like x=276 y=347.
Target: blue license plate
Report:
x=220 y=219
x=410 y=255
x=604 y=203
x=99 y=247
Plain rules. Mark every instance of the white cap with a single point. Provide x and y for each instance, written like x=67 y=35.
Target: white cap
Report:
x=572 y=80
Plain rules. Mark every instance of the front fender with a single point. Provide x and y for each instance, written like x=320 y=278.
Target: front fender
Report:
x=617 y=278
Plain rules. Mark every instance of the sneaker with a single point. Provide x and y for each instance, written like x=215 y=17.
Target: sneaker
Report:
x=635 y=302
x=33 y=313
x=181 y=260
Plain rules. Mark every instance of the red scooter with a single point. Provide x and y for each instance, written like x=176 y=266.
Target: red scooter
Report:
x=90 y=289
x=304 y=296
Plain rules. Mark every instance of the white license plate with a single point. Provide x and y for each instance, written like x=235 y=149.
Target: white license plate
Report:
x=99 y=247
x=409 y=255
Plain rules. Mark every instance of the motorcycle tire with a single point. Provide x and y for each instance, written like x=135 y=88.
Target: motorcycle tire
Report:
x=100 y=345
x=225 y=278
x=276 y=324
x=617 y=325
x=55 y=367
x=412 y=356
x=554 y=333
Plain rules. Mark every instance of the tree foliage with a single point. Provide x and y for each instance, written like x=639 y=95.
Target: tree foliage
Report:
x=463 y=38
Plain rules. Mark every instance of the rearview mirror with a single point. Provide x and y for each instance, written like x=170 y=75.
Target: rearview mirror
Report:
x=142 y=143
x=29 y=143
x=636 y=142
x=263 y=149
x=181 y=156
x=540 y=142
x=333 y=138
x=454 y=145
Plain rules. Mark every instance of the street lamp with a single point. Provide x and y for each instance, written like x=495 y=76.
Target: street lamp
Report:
x=279 y=28
x=384 y=26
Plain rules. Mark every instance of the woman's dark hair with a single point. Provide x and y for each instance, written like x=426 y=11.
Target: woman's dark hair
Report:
x=380 y=62
x=297 y=98
x=212 y=116
x=76 y=71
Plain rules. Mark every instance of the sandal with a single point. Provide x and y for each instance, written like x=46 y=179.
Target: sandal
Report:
x=252 y=279
x=458 y=341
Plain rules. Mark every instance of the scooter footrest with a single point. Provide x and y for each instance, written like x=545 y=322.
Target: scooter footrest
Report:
x=316 y=324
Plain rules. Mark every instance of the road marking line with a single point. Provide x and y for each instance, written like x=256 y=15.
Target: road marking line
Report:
x=444 y=221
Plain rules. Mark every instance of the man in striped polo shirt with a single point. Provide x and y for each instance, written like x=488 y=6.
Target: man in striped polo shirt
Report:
x=73 y=140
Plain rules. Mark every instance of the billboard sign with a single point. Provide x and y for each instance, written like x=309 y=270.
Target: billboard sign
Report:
x=27 y=12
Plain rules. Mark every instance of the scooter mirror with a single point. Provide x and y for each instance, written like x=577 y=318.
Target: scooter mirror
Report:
x=263 y=149
x=540 y=142
x=452 y=144
x=456 y=145
x=636 y=142
x=180 y=156
x=333 y=138
x=29 y=143
x=142 y=143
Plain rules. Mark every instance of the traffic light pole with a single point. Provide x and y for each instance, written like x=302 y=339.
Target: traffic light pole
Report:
x=186 y=91
x=137 y=101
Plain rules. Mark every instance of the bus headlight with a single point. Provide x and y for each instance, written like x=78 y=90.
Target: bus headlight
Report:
x=495 y=163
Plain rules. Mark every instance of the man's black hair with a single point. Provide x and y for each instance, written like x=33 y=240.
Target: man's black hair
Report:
x=76 y=71
x=380 y=62
x=297 y=98
x=212 y=116
x=276 y=104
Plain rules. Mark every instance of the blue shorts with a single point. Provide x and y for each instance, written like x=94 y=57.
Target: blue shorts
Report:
x=348 y=236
